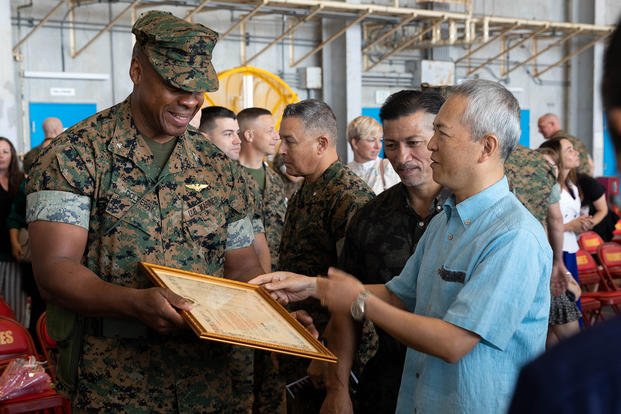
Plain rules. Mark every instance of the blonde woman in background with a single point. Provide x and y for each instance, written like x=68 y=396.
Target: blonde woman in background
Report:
x=365 y=137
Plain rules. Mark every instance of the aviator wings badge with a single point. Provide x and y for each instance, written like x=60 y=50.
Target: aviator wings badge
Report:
x=196 y=187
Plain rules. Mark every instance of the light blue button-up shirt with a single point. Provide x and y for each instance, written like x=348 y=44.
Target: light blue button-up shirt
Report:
x=483 y=265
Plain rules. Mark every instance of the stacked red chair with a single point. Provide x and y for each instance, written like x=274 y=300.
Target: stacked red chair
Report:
x=596 y=285
x=590 y=242
x=16 y=342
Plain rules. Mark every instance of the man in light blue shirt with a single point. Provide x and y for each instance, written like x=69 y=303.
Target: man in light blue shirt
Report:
x=472 y=303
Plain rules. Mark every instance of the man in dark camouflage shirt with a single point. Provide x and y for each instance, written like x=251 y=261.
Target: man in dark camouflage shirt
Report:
x=133 y=183
x=380 y=238
x=319 y=211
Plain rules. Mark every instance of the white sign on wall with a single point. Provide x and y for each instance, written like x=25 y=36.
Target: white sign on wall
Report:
x=62 y=91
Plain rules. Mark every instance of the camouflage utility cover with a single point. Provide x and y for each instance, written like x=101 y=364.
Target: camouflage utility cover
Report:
x=531 y=179
x=179 y=51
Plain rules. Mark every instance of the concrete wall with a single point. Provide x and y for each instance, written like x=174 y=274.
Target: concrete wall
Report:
x=567 y=91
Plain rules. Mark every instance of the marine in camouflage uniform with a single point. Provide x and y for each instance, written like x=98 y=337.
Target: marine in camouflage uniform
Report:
x=531 y=179
x=317 y=216
x=380 y=238
x=101 y=176
x=579 y=146
x=271 y=206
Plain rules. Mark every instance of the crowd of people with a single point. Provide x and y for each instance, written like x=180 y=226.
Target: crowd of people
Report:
x=435 y=273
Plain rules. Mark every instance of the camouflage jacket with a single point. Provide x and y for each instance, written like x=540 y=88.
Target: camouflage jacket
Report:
x=316 y=218
x=181 y=220
x=380 y=238
x=272 y=206
x=579 y=146
x=96 y=175
x=531 y=179
x=315 y=223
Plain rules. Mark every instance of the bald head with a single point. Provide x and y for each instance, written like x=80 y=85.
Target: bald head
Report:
x=52 y=127
x=548 y=124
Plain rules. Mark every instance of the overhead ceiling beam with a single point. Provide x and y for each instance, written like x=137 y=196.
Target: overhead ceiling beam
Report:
x=112 y=22
x=332 y=38
x=402 y=23
x=195 y=10
x=505 y=51
x=542 y=51
x=243 y=19
x=37 y=26
x=287 y=32
x=566 y=58
x=403 y=45
x=489 y=41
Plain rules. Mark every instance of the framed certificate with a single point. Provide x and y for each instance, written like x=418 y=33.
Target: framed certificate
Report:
x=238 y=313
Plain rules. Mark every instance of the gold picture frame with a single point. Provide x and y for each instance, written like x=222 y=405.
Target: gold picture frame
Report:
x=238 y=313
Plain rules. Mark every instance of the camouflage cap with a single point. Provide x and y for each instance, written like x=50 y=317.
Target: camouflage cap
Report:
x=179 y=51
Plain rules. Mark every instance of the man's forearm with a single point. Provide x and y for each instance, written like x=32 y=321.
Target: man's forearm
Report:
x=341 y=335
x=555 y=231
x=425 y=334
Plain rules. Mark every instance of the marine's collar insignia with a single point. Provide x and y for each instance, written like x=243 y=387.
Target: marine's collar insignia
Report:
x=196 y=187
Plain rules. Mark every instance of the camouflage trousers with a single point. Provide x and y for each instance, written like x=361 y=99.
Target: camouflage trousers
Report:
x=174 y=374
x=269 y=384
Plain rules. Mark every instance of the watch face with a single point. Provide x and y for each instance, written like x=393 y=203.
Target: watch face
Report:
x=356 y=311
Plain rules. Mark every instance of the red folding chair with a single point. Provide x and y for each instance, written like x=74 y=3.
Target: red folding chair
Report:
x=591 y=311
x=5 y=309
x=609 y=255
x=47 y=345
x=590 y=241
x=595 y=287
x=16 y=342
x=616 y=233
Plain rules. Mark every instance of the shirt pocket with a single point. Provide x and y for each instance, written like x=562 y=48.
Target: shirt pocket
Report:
x=204 y=221
x=449 y=275
x=126 y=207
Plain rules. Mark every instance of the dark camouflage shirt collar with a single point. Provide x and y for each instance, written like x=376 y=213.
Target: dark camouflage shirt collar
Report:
x=325 y=177
x=128 y=142
x=435 y=207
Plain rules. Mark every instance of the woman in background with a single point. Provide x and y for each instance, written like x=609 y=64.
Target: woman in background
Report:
x=564 y=313
x=364 y=134
x=10 y=273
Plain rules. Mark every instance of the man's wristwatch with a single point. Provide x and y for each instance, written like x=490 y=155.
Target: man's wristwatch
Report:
x=357 y=306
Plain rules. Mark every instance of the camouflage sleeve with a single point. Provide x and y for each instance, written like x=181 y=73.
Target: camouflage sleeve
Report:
x=60 y=186
x=348 y=256
x=344 y=208
x=58 y=206
x=257 y=225
x=241 y=200
x=555 y=194
x=239 y=234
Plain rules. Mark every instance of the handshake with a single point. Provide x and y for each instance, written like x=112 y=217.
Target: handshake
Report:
x=336 y=292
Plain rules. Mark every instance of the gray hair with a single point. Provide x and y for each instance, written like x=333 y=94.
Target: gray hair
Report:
x=491 y=109
x=315 y=115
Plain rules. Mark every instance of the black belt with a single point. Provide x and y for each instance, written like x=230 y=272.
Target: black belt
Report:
x=117 y=328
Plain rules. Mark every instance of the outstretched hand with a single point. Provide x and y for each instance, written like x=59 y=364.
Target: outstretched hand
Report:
x=158 y=308
x=287 y=287
x=338 y=290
